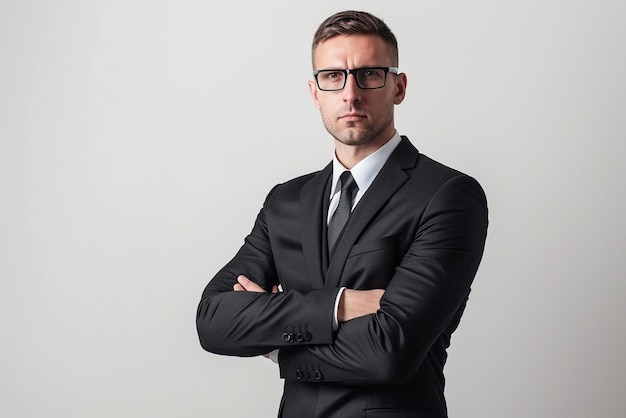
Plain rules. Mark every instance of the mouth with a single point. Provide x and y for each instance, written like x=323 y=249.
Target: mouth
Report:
x=352 y=117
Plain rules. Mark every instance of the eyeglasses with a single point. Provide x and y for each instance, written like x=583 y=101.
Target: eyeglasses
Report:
x=366 y=78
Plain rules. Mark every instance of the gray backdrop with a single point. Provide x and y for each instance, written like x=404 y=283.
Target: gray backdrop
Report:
x=138 y=141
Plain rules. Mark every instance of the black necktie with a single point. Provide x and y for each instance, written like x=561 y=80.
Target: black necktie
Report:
x=342 y=213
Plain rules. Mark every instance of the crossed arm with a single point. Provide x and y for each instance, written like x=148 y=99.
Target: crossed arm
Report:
x=393 y=329
x=352 y=304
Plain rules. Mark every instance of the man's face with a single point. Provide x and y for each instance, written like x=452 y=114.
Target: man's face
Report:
x=354 y=116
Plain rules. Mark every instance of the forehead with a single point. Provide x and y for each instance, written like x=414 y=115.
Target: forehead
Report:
x=352 y=51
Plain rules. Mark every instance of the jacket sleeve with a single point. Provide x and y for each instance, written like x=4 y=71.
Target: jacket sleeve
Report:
x=250 y=324
x=422 y=303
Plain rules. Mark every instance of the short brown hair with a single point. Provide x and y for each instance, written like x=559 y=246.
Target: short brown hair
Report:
x=352 y=22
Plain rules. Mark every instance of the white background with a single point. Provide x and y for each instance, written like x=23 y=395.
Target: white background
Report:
x=138 y=140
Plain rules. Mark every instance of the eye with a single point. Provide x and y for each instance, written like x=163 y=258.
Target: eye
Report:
x=372 y=74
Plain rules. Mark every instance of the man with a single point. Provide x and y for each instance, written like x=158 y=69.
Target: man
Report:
x=366 y=311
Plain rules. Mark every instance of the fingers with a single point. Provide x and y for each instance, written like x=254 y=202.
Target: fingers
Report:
x=245 y=284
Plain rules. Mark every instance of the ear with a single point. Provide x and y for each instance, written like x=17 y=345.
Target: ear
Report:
x=313 y=90
x=400 y=88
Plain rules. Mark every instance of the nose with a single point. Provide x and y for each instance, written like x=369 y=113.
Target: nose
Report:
x=351 y=92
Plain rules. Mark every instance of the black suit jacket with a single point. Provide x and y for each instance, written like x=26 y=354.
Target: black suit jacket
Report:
x=418 y=232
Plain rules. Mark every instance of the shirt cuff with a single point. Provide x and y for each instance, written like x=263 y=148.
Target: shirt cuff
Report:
x=335 y=321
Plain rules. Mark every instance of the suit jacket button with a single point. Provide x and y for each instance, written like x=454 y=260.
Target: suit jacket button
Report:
x=299 y=374
x=286 y=337
x=299 y=337
x=318 y=375
x=307 y=336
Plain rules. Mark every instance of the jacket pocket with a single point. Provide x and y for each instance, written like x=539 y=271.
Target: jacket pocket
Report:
x=390 y=242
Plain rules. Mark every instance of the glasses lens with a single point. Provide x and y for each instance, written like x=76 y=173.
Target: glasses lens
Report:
x=331 y=79
x=371 y=78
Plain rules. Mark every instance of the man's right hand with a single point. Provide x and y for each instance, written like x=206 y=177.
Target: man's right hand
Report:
x=356 y=303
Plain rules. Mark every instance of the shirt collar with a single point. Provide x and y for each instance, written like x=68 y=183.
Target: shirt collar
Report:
x=366 y=170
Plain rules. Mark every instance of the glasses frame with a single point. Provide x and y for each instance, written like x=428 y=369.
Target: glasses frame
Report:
x=355 y=71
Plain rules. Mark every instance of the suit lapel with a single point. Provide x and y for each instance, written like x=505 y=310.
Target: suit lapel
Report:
x=390 y=178
x=313 y=213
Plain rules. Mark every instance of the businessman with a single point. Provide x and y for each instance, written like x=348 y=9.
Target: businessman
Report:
x=374 y=255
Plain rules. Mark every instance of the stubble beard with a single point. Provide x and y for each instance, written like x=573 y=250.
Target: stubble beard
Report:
x=356 y=134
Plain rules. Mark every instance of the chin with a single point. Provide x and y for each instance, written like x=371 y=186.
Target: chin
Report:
x=358 y=138
x=354 y=141
x=353 y=137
